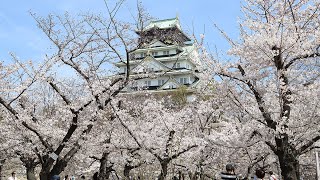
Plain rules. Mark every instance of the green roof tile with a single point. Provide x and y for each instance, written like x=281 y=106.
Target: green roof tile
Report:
x=164 y=24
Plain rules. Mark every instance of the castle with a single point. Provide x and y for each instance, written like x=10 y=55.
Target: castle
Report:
x=167 y=55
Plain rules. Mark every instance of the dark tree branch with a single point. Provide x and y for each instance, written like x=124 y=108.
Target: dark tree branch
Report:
x=183 y=151
x=300 y=58
x=15 y=113
x=126 y=127
x=272 y=147
x=55 y=87
x=43 y=141
x=169 y=142
x=266 y=115
x=303 y=148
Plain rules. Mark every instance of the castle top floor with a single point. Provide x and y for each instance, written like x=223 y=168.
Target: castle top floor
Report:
x=167 y=31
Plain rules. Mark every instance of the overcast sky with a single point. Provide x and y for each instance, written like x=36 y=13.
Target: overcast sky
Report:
x=20 y=35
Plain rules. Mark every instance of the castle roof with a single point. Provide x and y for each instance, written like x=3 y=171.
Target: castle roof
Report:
x=164 y=24
x=167 y=31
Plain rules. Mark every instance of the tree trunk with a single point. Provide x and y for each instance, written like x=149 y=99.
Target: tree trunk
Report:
x=30 y=164
x=288 y=159
x=289 y=165
x=1 y=164
x=44 y=175
x=181 y=176
x=164 y=170
x=105 y=169
x=30 y=173
x=127 y=168
x=194 y=176
x=126 y=171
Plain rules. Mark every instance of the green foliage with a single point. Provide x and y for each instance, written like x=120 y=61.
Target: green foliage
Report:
x=179 y=96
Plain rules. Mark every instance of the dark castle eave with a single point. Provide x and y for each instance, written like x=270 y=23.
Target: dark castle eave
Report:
x=155 y=28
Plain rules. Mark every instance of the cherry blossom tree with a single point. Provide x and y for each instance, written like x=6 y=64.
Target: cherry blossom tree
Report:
x=55 y=104
x=273 y=83
x=111 y=151
x=147 y=135
x=161 y=131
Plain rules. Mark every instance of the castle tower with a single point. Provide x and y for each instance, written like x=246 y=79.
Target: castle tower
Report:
x=165 y=53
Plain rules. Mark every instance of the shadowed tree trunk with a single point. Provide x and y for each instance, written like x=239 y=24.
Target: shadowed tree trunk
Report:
x=128 y=168
x=164 y=169
x=126 y=171
x=105 y=166
x=288 y=159
x=164 y=161
x=289 y=165
x=131 y=164
x=1 y=164
x=30 y=164
x=31 y=173
x=181 y=175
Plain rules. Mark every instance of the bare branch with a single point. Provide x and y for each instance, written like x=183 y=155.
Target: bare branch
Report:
x=303 y=148
x=183 y=151
x=301 y=58
x=126 y=127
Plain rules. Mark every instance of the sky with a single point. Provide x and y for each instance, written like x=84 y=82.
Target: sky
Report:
x=20 y=35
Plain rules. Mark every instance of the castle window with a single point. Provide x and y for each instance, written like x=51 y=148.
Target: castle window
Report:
x=181 y=80
x=147 y=83
x=148 y=70
x=160 y=82
x=176 y=65
x=165 y=52
x=185 y=80
x=142 y=55
x=154 y=54
x=134 y=85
